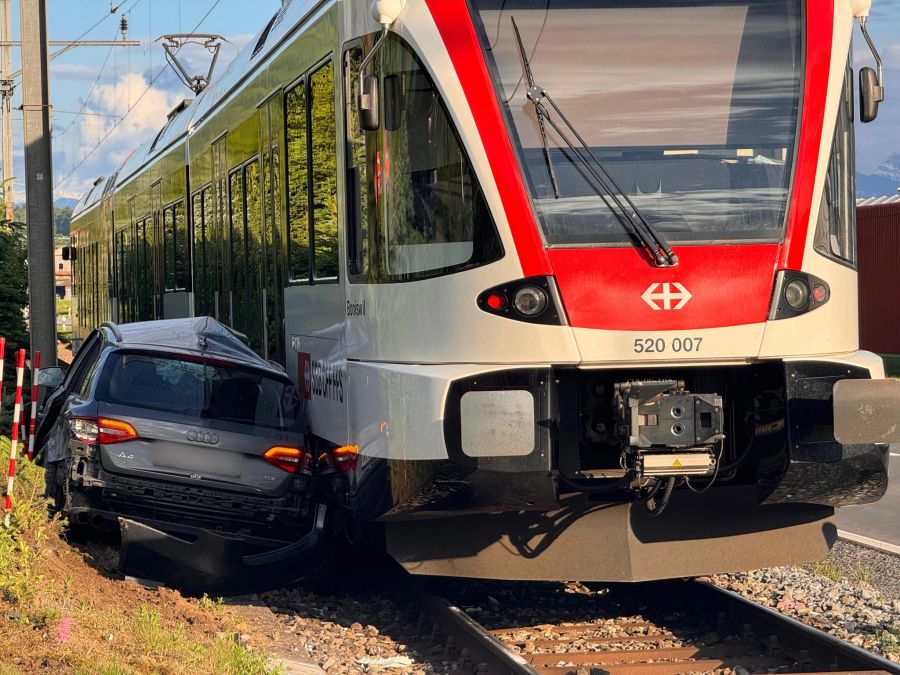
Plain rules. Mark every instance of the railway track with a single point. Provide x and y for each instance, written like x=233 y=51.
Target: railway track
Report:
x=664 y=628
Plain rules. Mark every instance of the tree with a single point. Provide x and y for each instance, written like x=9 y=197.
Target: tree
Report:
x=62 y=220
x=13 y=287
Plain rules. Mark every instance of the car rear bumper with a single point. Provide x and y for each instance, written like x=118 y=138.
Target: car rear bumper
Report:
x=211 y=563
x=190 y=509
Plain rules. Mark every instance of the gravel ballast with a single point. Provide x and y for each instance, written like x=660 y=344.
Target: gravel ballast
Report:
x=852 y=595
x=347 y=625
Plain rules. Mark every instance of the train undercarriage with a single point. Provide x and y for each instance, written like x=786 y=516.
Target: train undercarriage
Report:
x=632 y=474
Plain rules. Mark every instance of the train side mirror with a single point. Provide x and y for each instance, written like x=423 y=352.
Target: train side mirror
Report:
x=368 y=103
x=66 y=253
x=871 y=93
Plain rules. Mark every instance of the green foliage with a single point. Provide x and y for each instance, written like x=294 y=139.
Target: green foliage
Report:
x=62 y=218
x=211 y=604
x=229 y=658
x=889 y=640
x=829 y=570
x=223 y=655
x=21 y=544
x=13 y=286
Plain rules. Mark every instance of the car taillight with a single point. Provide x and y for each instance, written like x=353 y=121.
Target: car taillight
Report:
x=102 y=430
x=284 y=457
x=345 y=457
x=84 y=429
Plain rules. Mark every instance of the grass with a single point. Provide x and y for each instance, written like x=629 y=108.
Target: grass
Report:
x=22 y=543
x=889 y=641
x=132 y=641
x=212 y=604
x=158 y=640
x=862 y=574
x=829 y=570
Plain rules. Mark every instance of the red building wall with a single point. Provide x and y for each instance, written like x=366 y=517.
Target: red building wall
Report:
x=879 y=277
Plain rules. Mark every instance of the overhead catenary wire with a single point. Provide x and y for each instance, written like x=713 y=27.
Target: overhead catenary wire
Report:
x=146 y=90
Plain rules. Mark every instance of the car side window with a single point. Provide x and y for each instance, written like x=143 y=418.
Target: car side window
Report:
x=84 y=361
x=84 y=387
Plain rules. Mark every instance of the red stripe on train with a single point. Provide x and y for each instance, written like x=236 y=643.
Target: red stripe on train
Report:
x=819 y=34
x=605 y=287
x=458 y=33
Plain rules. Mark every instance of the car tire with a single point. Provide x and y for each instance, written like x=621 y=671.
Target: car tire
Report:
x=54 y=475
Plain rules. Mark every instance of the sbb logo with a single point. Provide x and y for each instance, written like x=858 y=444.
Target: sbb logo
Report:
x=304 y=365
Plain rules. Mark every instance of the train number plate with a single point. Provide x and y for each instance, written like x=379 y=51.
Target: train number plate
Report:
x=675 y=345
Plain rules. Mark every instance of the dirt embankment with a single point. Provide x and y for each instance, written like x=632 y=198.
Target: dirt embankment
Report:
x=64 y=609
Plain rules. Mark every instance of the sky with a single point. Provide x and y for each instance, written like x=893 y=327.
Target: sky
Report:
x=879 y=139
x=109 y=86
x=105 y=84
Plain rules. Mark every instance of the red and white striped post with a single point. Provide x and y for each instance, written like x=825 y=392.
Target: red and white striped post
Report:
x=32 y=421
x=14 y=440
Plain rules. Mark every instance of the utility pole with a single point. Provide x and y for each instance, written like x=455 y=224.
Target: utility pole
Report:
x=7 y=87
x=38 y=177
x=6 y=91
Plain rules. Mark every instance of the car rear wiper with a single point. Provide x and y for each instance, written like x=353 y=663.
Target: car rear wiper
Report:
x=626 y=212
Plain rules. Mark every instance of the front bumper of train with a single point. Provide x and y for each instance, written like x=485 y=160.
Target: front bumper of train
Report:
x=514 y=515
x=505 y=441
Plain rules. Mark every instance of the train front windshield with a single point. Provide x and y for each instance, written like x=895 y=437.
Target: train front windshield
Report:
x=692 y=108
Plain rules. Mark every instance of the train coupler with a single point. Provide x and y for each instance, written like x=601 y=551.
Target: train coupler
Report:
x=666 y=430
x=661 y=414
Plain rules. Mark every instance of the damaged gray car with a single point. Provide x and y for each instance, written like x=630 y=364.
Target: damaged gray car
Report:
x=177 y=432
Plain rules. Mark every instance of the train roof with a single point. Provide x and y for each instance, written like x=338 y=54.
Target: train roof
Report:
x=192 y=111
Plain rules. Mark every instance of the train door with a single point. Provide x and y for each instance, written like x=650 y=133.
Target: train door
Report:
x=271 y=264
x=314 y=297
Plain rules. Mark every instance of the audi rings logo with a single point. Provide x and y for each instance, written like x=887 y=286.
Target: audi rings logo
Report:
x=202 y=437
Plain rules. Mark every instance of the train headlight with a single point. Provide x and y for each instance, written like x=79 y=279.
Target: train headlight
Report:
x=796 y=293
x=530 y=300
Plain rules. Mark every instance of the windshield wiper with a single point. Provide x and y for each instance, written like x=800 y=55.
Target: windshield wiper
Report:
x=538 y=110
x=626 y=212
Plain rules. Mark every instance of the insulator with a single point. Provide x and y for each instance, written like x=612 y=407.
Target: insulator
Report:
x=124 y=26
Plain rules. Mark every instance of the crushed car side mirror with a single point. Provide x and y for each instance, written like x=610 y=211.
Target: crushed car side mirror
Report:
x=50 y=377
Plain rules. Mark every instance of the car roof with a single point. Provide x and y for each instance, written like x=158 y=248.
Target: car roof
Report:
x=196 y=336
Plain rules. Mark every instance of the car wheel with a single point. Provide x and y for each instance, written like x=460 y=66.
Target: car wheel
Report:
x=54 y=475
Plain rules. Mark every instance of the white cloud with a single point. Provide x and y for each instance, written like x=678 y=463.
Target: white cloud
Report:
x=124 y=112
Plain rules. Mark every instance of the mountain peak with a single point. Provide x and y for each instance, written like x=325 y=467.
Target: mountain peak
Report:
x=889 y=168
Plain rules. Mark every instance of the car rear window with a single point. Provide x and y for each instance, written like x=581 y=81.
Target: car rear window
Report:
x=212 y=390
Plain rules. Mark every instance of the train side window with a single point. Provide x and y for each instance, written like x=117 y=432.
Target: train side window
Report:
x=175 y=249
x=430 y=215
x=181 y=247
x=298 y=184
x=202 y=220
x=836 y=227
x=238 y=248
x=207 y=251
x=360 y=187
x=197 y=221
x=324 y=172
x=169 y=247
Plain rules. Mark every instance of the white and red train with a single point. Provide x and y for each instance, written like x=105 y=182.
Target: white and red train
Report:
x=569 y=285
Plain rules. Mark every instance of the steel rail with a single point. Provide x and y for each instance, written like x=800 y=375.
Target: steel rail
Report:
x=785 y=642
x=819 y=645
